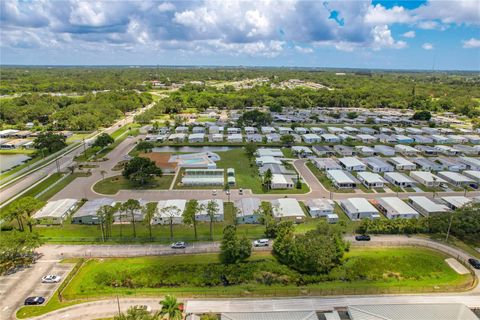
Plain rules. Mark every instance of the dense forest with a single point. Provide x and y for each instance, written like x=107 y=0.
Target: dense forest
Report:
x=83 y=113
x=436 y=91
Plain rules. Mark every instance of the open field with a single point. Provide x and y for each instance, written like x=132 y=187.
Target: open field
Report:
x=379 y=270
x=114 y=184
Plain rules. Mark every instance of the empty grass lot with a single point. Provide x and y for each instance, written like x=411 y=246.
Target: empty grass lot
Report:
x=114 y=184
x=368 y=270
x=246 y=173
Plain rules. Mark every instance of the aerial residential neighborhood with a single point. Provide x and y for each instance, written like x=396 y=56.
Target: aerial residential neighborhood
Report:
x=240 y=160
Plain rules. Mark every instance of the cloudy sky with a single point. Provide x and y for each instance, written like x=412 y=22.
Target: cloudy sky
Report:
x=428 y=34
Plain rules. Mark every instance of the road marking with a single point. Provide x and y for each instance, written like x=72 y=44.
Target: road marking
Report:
x=5 y=309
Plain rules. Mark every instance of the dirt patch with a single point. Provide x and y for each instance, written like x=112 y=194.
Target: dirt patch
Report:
x=161 y=160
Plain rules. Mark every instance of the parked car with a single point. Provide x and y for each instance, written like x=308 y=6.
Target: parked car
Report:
x=474 y=262
x=227 y=192
x=214 y=192
x=363 y=237
x=260 y=243
x=34 y=300
x=51 y=279
x=179 y=245
x=240 y=191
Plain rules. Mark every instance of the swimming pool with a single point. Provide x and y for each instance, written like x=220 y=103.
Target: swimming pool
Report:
x=193 y=160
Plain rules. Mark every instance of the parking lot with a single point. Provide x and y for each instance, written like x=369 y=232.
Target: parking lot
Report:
x=28 y=282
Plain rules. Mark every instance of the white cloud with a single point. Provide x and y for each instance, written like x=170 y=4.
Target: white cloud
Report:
x=409 y=34
x=382 y=37
x=303 y=49
x=166 y=6
x=471 y=43
x=450 y=12
x=427 y=46
x=378 y=14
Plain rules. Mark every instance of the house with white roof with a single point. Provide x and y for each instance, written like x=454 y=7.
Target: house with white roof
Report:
x=235 y=137
x=300 y=130
x=455 y=178
x=317 y=130
x=55 y=212
x=341 y=179
x=273 y=152
x=352 y=164
x=311 y=138
x=377 y=164
x=343 y=150
x=472 y=174
x=395 y=208
x=440 y=139
x=169 y=210
x=471 y=163
x=250 y=130
x=406 y=150
x=364 y=150
x=384 y=150
x=447 y=150
x=87 y=214
x=366 y=138
x=320 y=207
x=272 y=137
x=234 y=130
x=331 y=138
x=426 y=164
x=451 y=164
x=202 y=215
x=426 y=206
x=196 y=137
x=267 y=130
x=426 y=178
x=402 y=164
x=326 y=164
x=335 y=130
x=399 y=179
x=248 y=210
x=285 y=130
x=287 y=209
x=281 y=181
x=370 y=179
x=455 y=202
x=359 y=208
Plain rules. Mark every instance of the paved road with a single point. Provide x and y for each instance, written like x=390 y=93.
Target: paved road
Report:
x=24 y=284
x=65 y=160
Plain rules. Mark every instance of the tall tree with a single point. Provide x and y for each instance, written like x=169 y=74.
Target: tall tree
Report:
x=234 y=249
x=103 y=140
x=171 y=212
x=49 y=141
x=22 y=211
x=190 y=213
x=149 y=211
x=136 y=313
x=16 y=246
x=131 y=206
x=212 y=209
x=103 y=215
x=141 y=170
x=250 y=149
x=170 y=308
x=267 y=178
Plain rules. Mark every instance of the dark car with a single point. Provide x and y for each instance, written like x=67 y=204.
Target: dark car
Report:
x=474 y=262
x=34 y=300
x=363 y=237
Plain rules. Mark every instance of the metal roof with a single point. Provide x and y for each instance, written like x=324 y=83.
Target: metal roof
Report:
x=91 y=207
x=395 y=205
x=287 y=208
x=247 y=206
x=56 y=208
x=427 y=204
x=370 y=177
x=453 y=311
x=457 y=201
x=285 y=315
x=340 y=176
x=354 y=205
x=178 y=203
x=351 y=162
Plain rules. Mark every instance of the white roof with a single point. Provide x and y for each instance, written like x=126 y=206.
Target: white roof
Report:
x=421 y=311
x=55 y=209
x=472 y=173
x=301 y=148
x=457 y=201
x=427 y=204
x=311 y=136
x=455 y=176
x=351 y=162
x=426 y=176
x=395 y=205
x=320 y=204
x=274 y=152
x=247 y=206
x=178 y=203
x=401 y=161
x=196 y=136
x=355 y=205
x=403 y=147
x=399 y=177
x=91 y=207
x=329 y=136
x=278 y=178
x=370 y=177
x=366 y=137
x=204 y=203
x=270 y=315
x=268 y=159
x=340 y=176
x=287 y=207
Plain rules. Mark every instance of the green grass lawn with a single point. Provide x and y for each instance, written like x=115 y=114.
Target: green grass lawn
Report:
x=114 y=184
x=322 y=178
x=369 y=270
x=246 y=173
x=205 y=119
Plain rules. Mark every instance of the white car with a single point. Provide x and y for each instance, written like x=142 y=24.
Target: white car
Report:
x=51 y=279
x=260 y=243
x=214 y=192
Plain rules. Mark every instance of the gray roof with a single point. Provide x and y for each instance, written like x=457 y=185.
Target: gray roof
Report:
x=286 y=315
x=91 y=207
x=247 y=206
x=454 y=311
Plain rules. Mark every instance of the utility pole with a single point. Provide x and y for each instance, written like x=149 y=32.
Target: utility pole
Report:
x=58 y=166
x=449 y=227
x=84 y=149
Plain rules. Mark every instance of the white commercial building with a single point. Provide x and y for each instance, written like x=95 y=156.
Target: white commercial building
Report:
x=359 y=208
x=395 y=208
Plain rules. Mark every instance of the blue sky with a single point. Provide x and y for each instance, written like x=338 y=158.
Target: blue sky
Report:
x=438 y=34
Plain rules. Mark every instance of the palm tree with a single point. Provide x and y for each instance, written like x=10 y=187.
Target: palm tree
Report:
x=130 y=206
x=102 y=213
x=190 y=213
x=267 y=178
x=170 y=308
x=148 y=213
x=212 y=209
